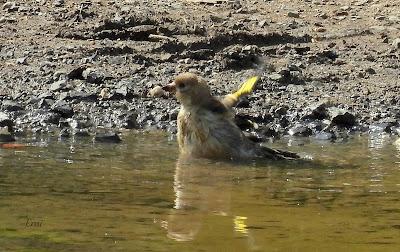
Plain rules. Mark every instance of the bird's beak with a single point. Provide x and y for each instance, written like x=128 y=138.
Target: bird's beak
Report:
x=171 y=88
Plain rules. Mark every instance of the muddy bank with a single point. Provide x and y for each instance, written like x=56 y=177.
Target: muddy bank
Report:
x=327 y=69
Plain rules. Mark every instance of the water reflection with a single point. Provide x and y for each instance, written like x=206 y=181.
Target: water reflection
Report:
x=201 y=188
x=114 y=198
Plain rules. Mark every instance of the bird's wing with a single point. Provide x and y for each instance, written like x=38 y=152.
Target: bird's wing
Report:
x=246 y=88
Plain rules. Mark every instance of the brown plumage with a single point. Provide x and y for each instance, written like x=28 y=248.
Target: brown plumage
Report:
x=205 y=124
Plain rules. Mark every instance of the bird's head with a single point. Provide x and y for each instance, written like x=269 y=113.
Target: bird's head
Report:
x=189 y=90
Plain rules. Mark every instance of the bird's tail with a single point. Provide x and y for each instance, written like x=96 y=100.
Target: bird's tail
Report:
x=278 y=154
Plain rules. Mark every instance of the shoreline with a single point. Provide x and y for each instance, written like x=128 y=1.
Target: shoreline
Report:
x=329 y=69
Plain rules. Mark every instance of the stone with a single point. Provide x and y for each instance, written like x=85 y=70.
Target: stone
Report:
x=157 y=91
x=22 y=61
x=300 y=130
x=5 y=121
x=341 y=117
x=108 y=137
x=92 y=75
x=324 y=136
x=82 y=133
x=316 y=111
x=293 y=14
x=11 y=106
x=58 y=3
x=130 y=120
x=58 y=85
x=5 y=135
x=81 y=96
x=396 y=43
x=275 y=77
x=63 y=108
x=270 y=131
x=9 y=6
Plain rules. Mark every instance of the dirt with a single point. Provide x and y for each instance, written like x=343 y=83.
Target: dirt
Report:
x=328 y=68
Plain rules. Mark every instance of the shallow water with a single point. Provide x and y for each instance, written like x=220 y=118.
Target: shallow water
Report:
x=73 y=195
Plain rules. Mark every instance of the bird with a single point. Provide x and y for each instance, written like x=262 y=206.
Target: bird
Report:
x=206 y=127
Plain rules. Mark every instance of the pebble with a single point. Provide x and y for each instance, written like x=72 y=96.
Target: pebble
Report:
x=300 y=130
x=9 y=6
x=5 y=135
x=63 y=108
x=293 y=14
x=396 y=43
x=275 y=77
x=22 y=61
x=92 y=75
x=320 y=29
x=58 y=3
x=5 y=121
x=157 y=91
x=108 y=137
x=341 y=117
x=324 y=136
x=58 y=85
x=11 y=106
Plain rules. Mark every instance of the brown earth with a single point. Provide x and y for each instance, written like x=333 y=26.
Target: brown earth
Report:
x=327 y=67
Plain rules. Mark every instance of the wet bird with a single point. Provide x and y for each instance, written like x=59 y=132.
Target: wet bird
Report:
x=206 y=127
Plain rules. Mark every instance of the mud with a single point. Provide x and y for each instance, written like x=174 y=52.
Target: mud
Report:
x=327 y=68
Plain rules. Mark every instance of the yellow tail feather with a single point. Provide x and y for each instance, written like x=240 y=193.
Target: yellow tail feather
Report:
x=247 y=87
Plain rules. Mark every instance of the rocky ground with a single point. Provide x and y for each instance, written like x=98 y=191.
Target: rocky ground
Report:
x=328 y=68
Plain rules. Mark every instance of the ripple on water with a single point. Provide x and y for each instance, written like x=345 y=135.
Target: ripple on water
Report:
x=139 y=195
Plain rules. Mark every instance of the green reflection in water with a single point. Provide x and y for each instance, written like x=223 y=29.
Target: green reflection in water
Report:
x=138 y=196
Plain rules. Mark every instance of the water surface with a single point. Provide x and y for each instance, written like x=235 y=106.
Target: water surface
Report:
x=75 y=195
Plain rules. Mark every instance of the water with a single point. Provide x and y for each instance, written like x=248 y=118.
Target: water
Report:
x=74 y=195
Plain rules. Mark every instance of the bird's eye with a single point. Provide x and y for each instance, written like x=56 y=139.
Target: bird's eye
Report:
x=182 y=86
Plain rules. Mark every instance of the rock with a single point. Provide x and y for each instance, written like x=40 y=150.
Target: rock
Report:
x=108 y=137
x=173 y=115
x=65 y=133
x=81 y=96
x=58 y=85
x=300 y=130
x=10 y=6
x=316 y=111
x=157 y=91
x=92 y=75
x=270 y=131
x=130 y=120
x=396 y=43
x=58 y=3
x=380 y=127
x=243 y=103
x=281 y=110
x=293 y=14
x=320 y=29
x=5 y=135
x=324 y=136
x=105 y=93
x=82 y=133
x=22 y=61
x=243 y=121
x=51 y=117
x=370 y=70
x=62 y=108
x=11 y=106
x=5 y=121
x=275 y=77
x=341 y=117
